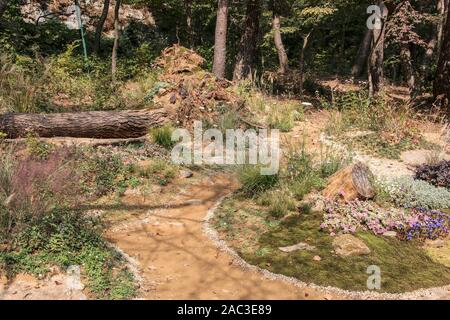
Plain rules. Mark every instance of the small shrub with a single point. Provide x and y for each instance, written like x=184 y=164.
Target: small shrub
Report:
x=282 y=120
x=104 y=171
x=409 y=193
x=438 y=174
x=160 y=170
x=37 y=148
x=253 y=182
x=163 y=136
x=279 y=202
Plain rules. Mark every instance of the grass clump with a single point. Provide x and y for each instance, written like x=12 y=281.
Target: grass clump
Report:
x=253 y=182
x=163 y=136
x=392 y=126
x=159 y=170
x=279 y=202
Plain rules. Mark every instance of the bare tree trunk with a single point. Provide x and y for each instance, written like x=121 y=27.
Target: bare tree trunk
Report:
x=188 y=8
x=248 y=45
x=220 y=43
x=433 y=46
x=116 y=40
x=100 y=25
x=443 y=7
x=376 y=58
x=442 y=79
x=363 y=54
x=302 y=62
x=405 y=55
x=95 y=124
x=3 y=6
x=282 y=56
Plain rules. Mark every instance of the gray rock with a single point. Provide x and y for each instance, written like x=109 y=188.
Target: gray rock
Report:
x=298 y=246
x=347 y=245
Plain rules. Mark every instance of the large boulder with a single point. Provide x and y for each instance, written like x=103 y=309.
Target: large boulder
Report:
x=348 y=245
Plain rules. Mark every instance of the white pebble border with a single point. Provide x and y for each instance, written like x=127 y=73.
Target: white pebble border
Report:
x=421 y=294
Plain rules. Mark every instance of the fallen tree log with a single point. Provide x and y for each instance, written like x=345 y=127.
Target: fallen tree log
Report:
x=93 y=124
x=351 y=183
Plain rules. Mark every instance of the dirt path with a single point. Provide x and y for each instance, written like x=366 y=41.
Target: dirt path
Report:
x=177 y=260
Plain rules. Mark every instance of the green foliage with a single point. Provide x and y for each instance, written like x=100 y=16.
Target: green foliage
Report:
x=159 y=170
x=163 y=136
x=410 y=193
x=66 y=237
x=37 y=148
x=279 y=202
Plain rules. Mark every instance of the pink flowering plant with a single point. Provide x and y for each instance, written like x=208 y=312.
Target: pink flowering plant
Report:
x=367 y=216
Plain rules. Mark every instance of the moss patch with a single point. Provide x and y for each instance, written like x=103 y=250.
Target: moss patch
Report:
x=405 y=266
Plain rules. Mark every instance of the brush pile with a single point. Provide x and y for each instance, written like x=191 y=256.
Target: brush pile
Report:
x=190 y=93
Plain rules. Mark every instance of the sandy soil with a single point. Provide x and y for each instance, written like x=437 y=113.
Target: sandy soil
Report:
x=176 y=260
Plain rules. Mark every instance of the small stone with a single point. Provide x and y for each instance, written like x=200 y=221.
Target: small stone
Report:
x=347 y=245
x=390 y=234
x=185 y=174
x=317 y=258
x=296 y=247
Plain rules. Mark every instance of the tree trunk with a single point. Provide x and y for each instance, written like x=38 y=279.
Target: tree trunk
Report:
x=302 y=63
x=248 y=45
x=95 y=124
x=100 y=25
x=3 y=6
x=282 y=56
x=351 y=183
x=408 y=70
x=220 y=43
x=442 y=79
x=363 y=54
x=116 y=40
x=443 y=7
x=376 y=59
x=433 y=47
x=188 y=8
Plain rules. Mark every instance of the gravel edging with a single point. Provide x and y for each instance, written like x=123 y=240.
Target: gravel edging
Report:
x=421 y=294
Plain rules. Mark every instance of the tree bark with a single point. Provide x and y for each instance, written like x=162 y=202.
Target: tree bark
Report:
x=282 y=56
x=443 y=7
x=351 y=183
x=363 y=54
x=3 y=6
x=302 y=62
x=100 y=25
x=376 y=59
x=220 y=43
x=408 y=70
x=95 y=124
x=116 y=40
x=433 y=46
x=442 y=79
x=188 y=8
x=248 y=45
